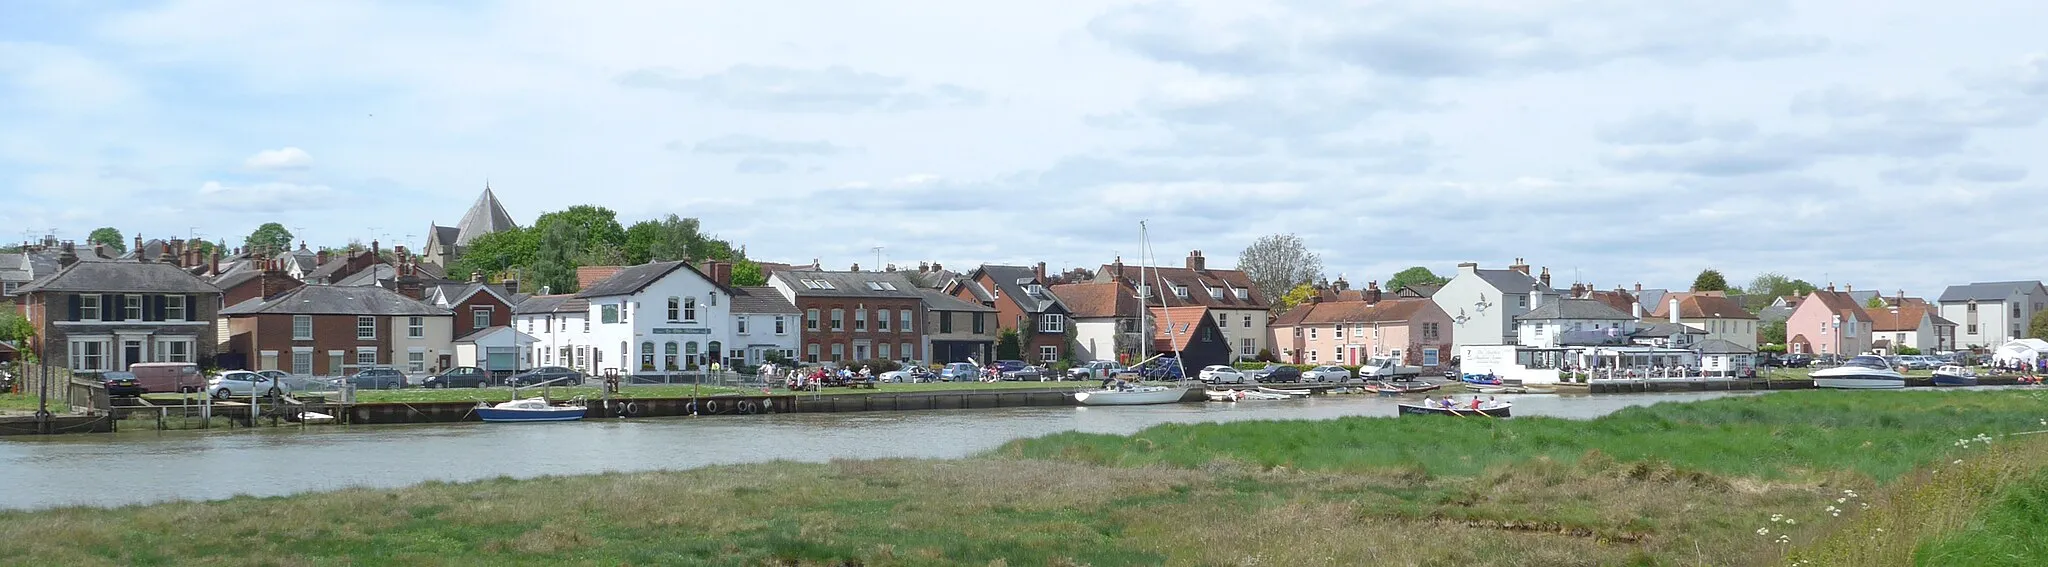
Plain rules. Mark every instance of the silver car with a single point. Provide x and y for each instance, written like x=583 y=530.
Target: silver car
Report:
x=241 y=383
x=1327 y=374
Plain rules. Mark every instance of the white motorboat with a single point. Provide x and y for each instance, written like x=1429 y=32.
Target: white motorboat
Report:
x=1953 y=375
x=1131 y=396
x=529 y=409
x=1860 y=373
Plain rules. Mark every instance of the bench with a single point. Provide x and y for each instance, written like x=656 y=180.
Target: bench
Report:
x=869 y=384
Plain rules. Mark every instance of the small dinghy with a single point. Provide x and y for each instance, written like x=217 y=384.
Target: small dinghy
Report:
x=1391 y=389
x=1280 y=392
x=529 y=409
x=1432 y=407
x=1246 y=396
x=1953 y=375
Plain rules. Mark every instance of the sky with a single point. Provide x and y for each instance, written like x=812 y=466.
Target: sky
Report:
x=1880 y=145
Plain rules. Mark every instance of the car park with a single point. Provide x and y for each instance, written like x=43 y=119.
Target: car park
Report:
x=242 y=384
x=458 y=377
x=554 y=375
x=1221 y=374
x=1327 y=373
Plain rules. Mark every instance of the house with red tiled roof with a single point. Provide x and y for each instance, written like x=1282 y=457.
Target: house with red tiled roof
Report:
x=1722 y=317
x=1350 y=332
x=1828 y=322
x=1190 y=333
x=1910 y=322
x=1238 y=307
x=1106 y=318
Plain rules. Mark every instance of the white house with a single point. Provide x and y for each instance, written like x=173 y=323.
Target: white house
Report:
x=763 y=322
x=660 y=317
x=1553 y=322
x=1721 y=317
x=560 y=327
x=1991 y=313
x=1483 y=304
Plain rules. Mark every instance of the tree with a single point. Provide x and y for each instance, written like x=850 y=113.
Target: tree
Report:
x=1278 y=262
x=1907 y=351
x=17 y=329
x=108 y=236
x=747 y=273
x=270 y=239
x=676 y=238
x=554 y=258
x=1710 y=280
x=497 y=253
x=1769 y=286
x=1297 y=296
x=592 y=225
x=639 y=238
x=204 y=248
x=1413 y=277
x=1874 y=303
x=1009 y=346
x=1773 y=332
x=2038 y=326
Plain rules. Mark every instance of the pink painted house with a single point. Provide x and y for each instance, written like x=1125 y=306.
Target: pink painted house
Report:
x=1349 y=332
x=1828 y=322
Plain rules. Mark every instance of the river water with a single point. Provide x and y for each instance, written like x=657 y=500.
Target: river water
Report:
x=152 y=466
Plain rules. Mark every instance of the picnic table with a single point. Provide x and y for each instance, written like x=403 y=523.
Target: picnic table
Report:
x=868 y=383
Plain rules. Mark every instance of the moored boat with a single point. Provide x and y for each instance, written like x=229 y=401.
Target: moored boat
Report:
x=1953 y=375
x=1131 y=396
x=1864 y=372
x=529 y=409
x=1482 y=379
x=1390 y=388
x=1289 y=393
x=1488 y=409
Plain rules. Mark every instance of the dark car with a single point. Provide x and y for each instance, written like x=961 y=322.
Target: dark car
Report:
x=1008 y=366
x=121 y=384
x=566 y=377
x=459 y=377
x=1164 y=369
x=377 y=379
x=1797 y=361
x=1284 y=374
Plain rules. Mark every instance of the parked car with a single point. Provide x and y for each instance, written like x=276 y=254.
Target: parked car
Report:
x=1008 y=366
x=1220 y=374
x=565 y=377
x=178 y=377
x=121 y=384
x=458 y=377
x=1026 y=373
x=960 y=372
x=1098 y=370
x=374 y=379
x=1919 y=362
x=910 y=374
x=1286 y=374
x=1327 y=374
x=1797 y=360
x=243 y=383
x=1260 y=374
x=1162 y=369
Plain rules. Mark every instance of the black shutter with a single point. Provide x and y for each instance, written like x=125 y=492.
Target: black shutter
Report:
x=161 y=308
x=149 y=308
x=110 y=307
x=76 y=311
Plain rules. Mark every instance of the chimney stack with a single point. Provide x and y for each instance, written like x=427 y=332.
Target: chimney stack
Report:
x=320 y=259
x=1196 y=262
x=374 y=249
x=1341 y=284
x=68 y=255
x=1831 y=286
x=1545 y=278
x=889 y=268
x=1520 y=266
x=476 y=277
x=1639 y=288
x=166 y=257
x=936 y=267
x=1635 y=308
x=924 y=267
x=855 y=268
x=1116 y=269
x=1039 y=271
x=721 y=272
x=1674 y=310
x=1535 y=296
x=511 y=286
x=1372 y=292
x=215 y=263
x=138 y=244
x=1848 y=288
x=1468 y=268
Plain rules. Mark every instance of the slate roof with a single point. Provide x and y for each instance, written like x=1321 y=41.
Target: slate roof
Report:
x=545 y=304
x=1386 y=311
x=850 y=284
x=1774 y=314
x=335 y=300
x=307 y=260
x=1098 y=300
x=632 y=279
x=14 y=268
x=1419 y=291
x=760 y=299
x=1718 y=346
x=1649 y=298
x=1702 y=305
x=1986 y=291
x=370 y=275
x=1587 y=309
x=484 y=217
x=1184 y=322
x=1511 y=281
x=446 y=235
x=1663 y=329
x=1229 y=280
x=118 y=277
x=1011 y=282
x=935 y=301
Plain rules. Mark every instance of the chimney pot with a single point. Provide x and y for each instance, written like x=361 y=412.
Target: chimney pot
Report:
x=855 y=268
x=1196 y=262
x=1546 y=276
x=67 y=255
x=1674 y=310
x=1039 y=271
x=476 y=277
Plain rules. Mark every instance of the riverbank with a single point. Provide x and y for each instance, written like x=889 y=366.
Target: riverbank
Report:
x=1671 y=483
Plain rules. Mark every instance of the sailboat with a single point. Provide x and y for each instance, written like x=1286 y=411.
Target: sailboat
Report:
x=1125 y=389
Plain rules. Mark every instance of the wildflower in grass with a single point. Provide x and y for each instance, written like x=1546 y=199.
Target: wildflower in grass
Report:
x=1790 y=522
x=1784 y=539
x=1880 y=530
x=1775 y=518
x=1957 y=462
x=1763 y=531
x=1842 y=500
x=1865 y=505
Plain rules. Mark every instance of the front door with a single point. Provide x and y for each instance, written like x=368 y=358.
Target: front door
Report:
x=131 y=353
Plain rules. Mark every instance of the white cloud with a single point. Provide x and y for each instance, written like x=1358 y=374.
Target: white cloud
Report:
x=281 y=158
x=272 y=198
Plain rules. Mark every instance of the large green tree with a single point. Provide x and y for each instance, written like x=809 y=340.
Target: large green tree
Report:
x=639 y=238
x=270 y=239
x=1297 y=296
x=109 y=236
x=1277 y=262
x=1009 y=345
x=554 y=260
x=1768 y=286
x=747 y=273
x=2037 y=327
x=1772 y=332
x=1710 y=280
x=498 y=253
x=1415 y=276
x=594 y=227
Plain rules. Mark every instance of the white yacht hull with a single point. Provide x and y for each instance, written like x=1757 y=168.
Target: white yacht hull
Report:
x=1138 y=397
x=1860 y=383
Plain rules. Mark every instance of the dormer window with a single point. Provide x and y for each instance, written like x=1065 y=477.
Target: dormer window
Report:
x=1181 y=291
x=1215 y=293
x=1036 y=289
x=1144 y=291
x=1244 y=294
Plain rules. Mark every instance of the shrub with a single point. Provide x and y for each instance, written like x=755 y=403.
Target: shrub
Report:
x=1266 y=355
x=877 y=366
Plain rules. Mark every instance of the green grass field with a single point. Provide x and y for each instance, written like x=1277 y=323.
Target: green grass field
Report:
x=1807 y=477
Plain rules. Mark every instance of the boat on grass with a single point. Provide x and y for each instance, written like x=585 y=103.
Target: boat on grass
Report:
x=1953 y=375
x=1487 y=409
x=1864 y=372
x=530 y=409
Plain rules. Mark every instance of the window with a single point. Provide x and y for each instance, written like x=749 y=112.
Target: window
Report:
x=1244 y=294
x=647 y=356
x=1971 y=331
x=1144 y=291
x=1311 y=355
x=1048 y=353
x=1521 y=301
x=904 y=351
x=366 y=328
x=811 y=353
x=1339 y=332
x=860 y=319
x=779 y=329
x=174 y=309
x=1052 y=323
x=1311 y=333
x=838 y=352
x=980 y=323
x=7 y=288
x=625 y=311
x=1181 y=291
x=610 y=314
x=131 y=308
x=1247 y=348
x=302 y=363
x=838 y=319
x=88 y=310
x=479 y=317
x=302 y=327
x=1247 y=321
x=689 y=309
x=417 y=361
x=416 y=327
x=811 y=320
x=882 y=351
x=670 y=354
x=945 y=322
x=904 y=321
x=88 y=356
x=178 y=351
x=2015 y=310
x=1215 y=293
x=882 y=322
x=1429 y=331
x=675 y=308
x=1429 y=357
x=366 y=358
x=586 y=325
x=741 y=322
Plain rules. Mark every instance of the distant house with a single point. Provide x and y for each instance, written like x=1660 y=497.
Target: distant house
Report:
x=1414 y=330
x=1828 y=322
x=1907 y=324
x=324 y=330
x=957 y=330
x=1023 y=303
x=1483 y=304
x=1106 y=318
x=1190 y=334
x=445 y=244
x=661 y=317
x=1722 y=317
x=1555 y=322
x=763 y=323
x=1989 y=314
x=1238 y=307
x=95 y=316
x=1662 y=334
x=560 y=326
x=851 y=316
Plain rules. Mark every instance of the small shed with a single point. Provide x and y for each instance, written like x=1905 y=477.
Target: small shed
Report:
x=495 y=349
x=1724 y=358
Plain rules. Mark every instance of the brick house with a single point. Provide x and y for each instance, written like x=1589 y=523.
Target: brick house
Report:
x=477 y=306
x=95 y=316
x=324 y=330
x=1023 y=303
x=1191 y=334
x=1350 y=332
x=1106 y=317
x=1241 y=312
x=855 y=315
